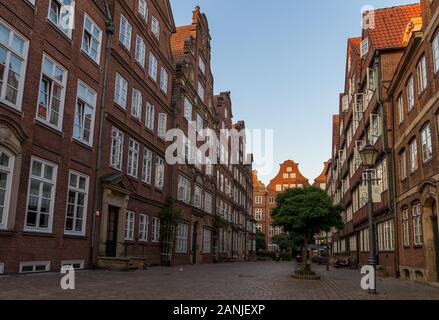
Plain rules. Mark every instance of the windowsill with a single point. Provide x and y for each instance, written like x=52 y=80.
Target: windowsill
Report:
x=66 y=36
x=96 y=63
x=152 y=79
x=125 y=48
x=120 y=107
x=132 y=178
x=75 y=236
x=82 y=144
x=427 y=162
x=38 y=234
x=11 y=107
x=6 y=232
x=47 y=126
x=418 y=246
x=146 y=184
x=139 y=64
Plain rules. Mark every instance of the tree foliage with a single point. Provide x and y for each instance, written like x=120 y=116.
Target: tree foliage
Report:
x=306 y=212
x=260 y=241
x=169 y=216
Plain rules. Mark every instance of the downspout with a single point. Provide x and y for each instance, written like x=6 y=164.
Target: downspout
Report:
x=110 y=30
x=388 y=154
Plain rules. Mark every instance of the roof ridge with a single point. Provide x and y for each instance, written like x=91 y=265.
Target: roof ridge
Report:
x=394 y=7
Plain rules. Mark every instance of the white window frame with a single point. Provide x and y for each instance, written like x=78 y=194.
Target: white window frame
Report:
x=403 y=164
x=153 y=67
x=184 y=189
x=34 y=265
x=143 y=227
x=164 y=78
x=133 y=158
x=417 y=225
x=125 y=32
x=116 y=150
x=129 y=226
x=147 y=166
x=60 y=22
x=410 y=93
x=155 y=27
x=208 y=202
x=140 y=53
x=181 y=239
x=62 y=84
x=72 y=263
x=435 y=48
x=421 y=73
x=198 y=197
x=155 y=235
x=162 y=125
x=91 y=104
x=136 y=104
x=143 y=10
x=406 y=228
x=187 y=109
x=9 y=171
x=21 y=56
x=94 y=28
x=150 y=116
x=41 y=181
x=426 y=143
x=414 y=162
x=401 y=114
x=77 y=190
x=207 y=241
x=159 y=173
x=120 y=91
x=201 y=91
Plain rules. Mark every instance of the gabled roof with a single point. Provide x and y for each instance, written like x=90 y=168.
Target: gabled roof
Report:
x=322 y=177
x=390 y=24
x=336 y=131
x=257 y=184
x=178 y=40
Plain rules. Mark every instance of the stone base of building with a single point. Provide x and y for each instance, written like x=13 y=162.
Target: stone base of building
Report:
x=413 y=274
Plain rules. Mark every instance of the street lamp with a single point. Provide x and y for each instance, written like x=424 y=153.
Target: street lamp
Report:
x=369 y=157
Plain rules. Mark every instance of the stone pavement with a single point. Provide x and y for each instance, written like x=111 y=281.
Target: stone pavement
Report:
x=228 y=281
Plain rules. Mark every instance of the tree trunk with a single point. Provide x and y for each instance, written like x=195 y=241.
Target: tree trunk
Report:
x=306 y=266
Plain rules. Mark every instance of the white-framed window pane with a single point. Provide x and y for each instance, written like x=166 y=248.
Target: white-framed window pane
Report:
x=427 y=147
x=164 y=80
x=155 y=236
x=201 y=92
x=77 y=200
x=155 y=27
x=84 y=114
x=41 y=196
x=52 y=93
x=13 y=59
x=181 y=238
x=152 y=70
x=121 y=91
x=422 y=75
x=159 y=173
x=207 y=240
x=117 y=138
x=129 y=226
x=162 y=125
x=413 y=156
x=147 y=166
x=187 y=109
x=7 y=161
x=150 y=116
x=435 y=47
x=143 y=227
x=410 y=94
x=133 y=157
x=184 y=189
x=62 y=15
x=140 y=51
x=143 y=9
x=125 y=32
x=92 y=39
x=136 y=104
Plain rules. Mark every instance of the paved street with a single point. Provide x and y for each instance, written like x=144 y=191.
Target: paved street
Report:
x=246 y=281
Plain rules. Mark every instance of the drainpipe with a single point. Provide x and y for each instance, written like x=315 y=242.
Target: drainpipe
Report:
x=110 y=30
x=389 y=157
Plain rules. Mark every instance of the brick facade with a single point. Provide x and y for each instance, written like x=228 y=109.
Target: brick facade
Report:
x=398 y=117
x=83 y=115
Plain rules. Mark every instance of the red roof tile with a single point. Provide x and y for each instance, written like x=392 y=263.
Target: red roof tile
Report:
x=390 y=24
x=178 y=40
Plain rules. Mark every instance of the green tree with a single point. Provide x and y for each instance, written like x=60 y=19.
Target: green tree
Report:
x=306 y=212
x=169 y=216
x=284 y=241
x=260 y=241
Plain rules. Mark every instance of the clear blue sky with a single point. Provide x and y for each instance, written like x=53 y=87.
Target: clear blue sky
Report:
x=284 y=63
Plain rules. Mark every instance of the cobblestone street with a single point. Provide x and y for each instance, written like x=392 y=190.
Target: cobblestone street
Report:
x=243 y=281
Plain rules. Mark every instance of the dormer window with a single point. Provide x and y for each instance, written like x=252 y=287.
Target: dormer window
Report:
x=364 y=48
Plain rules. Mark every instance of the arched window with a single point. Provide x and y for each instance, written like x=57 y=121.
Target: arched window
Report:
x=6 y=171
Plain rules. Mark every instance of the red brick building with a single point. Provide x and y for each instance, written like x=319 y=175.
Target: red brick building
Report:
x=365 y=117
x=413 y=98
x=87 y=95
x=288 y=176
